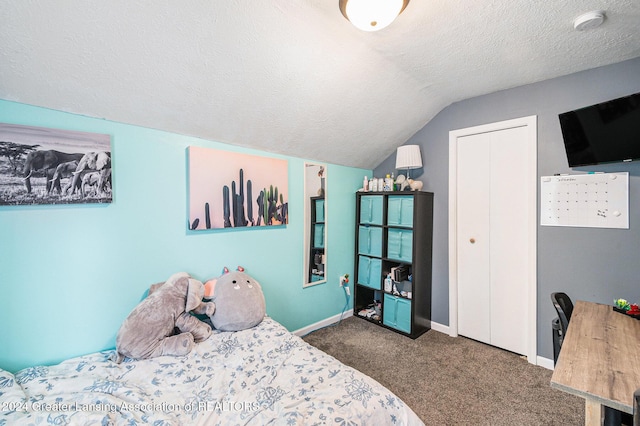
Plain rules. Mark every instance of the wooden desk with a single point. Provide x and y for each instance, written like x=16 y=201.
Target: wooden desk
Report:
x=600 y=359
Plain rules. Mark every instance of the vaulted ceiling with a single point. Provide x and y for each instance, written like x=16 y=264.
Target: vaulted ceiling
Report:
x=293 y=77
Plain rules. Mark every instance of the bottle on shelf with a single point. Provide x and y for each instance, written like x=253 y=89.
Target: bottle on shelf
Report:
x=388 y=284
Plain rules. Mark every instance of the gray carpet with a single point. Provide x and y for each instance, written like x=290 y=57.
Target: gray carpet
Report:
x=451 y=381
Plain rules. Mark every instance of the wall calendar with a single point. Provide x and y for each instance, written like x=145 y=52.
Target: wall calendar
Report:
x=594 y=200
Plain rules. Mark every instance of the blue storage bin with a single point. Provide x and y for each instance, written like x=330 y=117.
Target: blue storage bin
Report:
x=370 y=272
x=400 y=244
x=370 y=240
x=371 y=209
x=400 y=210
x=397 y=313
x=319 y=210
x=318 y=236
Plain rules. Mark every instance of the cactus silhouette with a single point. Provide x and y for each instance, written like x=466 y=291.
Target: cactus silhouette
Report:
x=260 y=202
x=233 y=205
x=234 y=212
x=249 y=203
x=225 y=207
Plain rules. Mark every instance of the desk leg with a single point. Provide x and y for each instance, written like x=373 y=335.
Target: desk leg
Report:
x=592 y=413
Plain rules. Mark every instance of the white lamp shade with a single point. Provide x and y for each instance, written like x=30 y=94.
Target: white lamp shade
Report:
x=408 y=157
x=372 y=15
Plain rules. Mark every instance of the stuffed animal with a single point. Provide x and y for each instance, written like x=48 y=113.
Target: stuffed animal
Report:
x=162 y=324
x=239 y=300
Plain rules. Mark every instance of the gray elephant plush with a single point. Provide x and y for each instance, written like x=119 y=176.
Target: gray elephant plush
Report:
x=162 y=323
x=239 y=300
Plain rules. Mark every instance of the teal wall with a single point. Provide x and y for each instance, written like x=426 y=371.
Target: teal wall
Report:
x=69 y=275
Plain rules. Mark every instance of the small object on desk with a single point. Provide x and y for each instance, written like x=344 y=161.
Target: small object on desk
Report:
x=621 y=304
x=634 y=311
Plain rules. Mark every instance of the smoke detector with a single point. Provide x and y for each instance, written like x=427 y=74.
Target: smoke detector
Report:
x=589 y=20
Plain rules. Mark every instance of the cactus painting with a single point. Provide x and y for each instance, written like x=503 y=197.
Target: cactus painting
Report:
x=232 y=190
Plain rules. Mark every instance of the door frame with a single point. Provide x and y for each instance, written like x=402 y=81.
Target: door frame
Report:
x=530 y=123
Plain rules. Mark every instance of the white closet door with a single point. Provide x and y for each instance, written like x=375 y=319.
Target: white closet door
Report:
x=474 y=279
x=509 y=239
x=492 y=238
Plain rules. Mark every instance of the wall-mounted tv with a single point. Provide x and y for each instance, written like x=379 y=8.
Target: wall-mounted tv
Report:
x=607 y=132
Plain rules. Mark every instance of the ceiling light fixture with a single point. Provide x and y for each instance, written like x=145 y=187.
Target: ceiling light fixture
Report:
x=589 y=20
x=372 y=15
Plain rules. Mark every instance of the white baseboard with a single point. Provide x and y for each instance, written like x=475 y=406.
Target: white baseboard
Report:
x=544 y=362
x=334 y=319
x=440 y=328
x=320 y=324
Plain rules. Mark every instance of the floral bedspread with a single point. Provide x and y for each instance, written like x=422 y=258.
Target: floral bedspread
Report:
x=264 y=375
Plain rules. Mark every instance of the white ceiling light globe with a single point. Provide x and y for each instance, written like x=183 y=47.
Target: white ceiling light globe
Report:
x=373 y=15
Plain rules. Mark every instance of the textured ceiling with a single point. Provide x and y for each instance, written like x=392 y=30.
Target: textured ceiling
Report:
x=293 y=77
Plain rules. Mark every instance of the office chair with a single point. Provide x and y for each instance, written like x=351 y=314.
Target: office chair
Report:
x=564 y=308
x=556 y=331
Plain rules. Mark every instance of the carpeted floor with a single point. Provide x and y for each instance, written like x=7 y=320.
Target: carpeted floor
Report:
x=451 y=381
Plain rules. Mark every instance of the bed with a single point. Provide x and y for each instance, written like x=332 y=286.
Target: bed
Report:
x=263 y=375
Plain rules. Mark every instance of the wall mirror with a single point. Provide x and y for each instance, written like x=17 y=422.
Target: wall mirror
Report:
x=315 y=224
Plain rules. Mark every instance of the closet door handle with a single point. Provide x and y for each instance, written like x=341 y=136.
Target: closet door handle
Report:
x=472 y=240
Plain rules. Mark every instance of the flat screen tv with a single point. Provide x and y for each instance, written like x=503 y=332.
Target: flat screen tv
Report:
x=608 y=132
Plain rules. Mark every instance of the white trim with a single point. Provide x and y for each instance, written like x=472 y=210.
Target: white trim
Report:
x=307 y=230
x=334 y=319
x=545 y=362
x=531 y=124
x=324 y=323
x=440 y=328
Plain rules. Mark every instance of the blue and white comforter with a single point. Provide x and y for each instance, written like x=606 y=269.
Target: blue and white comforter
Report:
x=264 y=375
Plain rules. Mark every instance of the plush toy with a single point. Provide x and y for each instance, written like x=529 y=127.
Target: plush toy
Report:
x=162 y=324
x=239 y=300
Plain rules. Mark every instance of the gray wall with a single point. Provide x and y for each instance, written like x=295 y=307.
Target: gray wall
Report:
x=587 y=263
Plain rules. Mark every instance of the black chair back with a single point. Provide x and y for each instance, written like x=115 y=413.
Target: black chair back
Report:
x=564 y=307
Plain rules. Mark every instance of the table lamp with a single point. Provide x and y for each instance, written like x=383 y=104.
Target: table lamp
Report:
x=408 y=157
